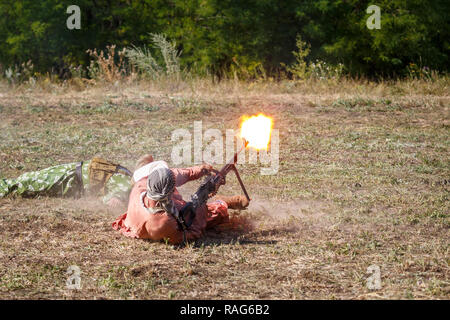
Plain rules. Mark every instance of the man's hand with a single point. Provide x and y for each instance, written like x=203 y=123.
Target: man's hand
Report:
x=206 y=168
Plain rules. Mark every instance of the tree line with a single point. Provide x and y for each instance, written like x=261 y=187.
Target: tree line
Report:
x=227 y=37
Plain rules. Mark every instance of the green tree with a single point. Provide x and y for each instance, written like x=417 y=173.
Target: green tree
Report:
x=227 y=37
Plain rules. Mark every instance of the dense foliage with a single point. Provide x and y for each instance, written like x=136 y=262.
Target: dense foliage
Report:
x=249 y=38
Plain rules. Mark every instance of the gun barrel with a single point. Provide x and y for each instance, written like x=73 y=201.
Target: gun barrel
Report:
x=235 y=157
x=244 y=145
x=231 y=165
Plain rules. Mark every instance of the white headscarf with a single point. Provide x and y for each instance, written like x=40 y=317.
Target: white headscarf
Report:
x=160 y=184
x=145 y=171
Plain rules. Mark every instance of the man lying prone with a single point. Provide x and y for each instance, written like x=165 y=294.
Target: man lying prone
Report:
x=155 y=204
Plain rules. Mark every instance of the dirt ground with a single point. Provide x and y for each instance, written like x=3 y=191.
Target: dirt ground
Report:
x=363 y=183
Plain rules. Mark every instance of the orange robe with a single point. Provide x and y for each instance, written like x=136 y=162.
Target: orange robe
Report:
x=137 y=222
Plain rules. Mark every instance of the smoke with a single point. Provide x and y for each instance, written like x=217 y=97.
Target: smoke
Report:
x=282 y=209
x=95 y=205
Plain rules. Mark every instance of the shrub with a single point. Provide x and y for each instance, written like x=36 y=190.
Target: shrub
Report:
x=107 y=67
x=414 y=71
x=20 y=73
x=299 y=69
x=323 y=70
x=144 y=61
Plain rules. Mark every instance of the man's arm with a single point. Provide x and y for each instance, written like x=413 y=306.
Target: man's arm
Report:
x=183 y=175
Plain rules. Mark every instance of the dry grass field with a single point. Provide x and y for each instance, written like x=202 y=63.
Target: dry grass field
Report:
x=364 y=180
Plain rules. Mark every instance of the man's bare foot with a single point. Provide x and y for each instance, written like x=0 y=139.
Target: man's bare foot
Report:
x=235 y=202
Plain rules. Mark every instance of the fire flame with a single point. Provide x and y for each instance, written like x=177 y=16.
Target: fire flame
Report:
x=256 y=130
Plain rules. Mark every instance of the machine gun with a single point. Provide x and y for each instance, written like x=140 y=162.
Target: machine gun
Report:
x=209 y=188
